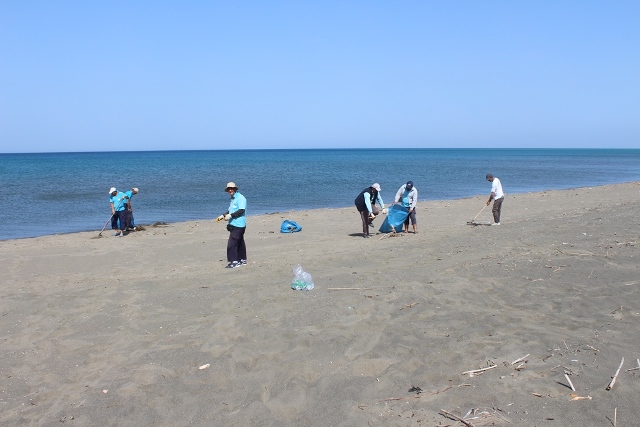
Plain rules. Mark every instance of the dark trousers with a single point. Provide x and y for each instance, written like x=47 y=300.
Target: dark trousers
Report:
x=411 y=216
x=128 y=218
x=497 y=208
x=364 y=215
x=236 y=248
x=118 y=216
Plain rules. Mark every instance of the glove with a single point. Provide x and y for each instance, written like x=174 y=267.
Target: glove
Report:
x=220 y=218
x=385 y=211
x=227 y=217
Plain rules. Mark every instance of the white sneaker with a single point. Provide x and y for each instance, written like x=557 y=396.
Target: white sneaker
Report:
x=497 y=223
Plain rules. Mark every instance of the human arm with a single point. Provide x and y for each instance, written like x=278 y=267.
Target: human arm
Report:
x=367 y=202
x=414 y=199
x=398 y=195
x=492 y=196
x=237 y=213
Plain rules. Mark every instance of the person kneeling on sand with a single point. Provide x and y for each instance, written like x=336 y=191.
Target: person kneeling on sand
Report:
x=497 y=195
x=408 y=196
x=237 y=217
x=366 y=204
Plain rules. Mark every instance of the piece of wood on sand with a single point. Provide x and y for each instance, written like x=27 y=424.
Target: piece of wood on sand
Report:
x=455 y=417
x=636 y=368
x=520 y=359
x=566 y=375
x=478 y=371
x=576 y=397
x=613 y=379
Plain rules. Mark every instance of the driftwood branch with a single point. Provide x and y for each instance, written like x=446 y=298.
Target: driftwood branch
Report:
x=613 y=380
x=636 y=368
x=477 y=371
x=521 y=359
x=457 y=418
x=569 y=381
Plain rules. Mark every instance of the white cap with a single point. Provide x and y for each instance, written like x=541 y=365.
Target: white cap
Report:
x=377 y=187
x=112 y=190
x=230 y=185
x=135 y=189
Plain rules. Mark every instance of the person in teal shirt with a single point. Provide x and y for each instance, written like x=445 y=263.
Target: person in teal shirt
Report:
x=117 y=200
x=237 y=217
x=129 y=221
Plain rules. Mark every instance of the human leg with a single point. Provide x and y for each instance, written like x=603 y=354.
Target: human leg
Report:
x=233 y=244
x=242 y=247
x=120 y=218
x=364 y=216
x=127 y=218
x=497 y=209
x=414 y=222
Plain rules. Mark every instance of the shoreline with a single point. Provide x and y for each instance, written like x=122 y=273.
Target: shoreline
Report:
x=153 y=330
x=422 y=202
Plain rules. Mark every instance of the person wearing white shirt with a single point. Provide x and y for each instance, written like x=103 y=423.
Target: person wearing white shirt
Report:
x=497 y=195
x=408 y=196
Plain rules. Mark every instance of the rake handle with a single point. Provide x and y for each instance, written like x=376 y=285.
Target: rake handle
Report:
x=474 y=218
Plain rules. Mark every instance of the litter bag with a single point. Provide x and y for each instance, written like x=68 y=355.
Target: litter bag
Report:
x=302 y=280
x=395 y=218
x=289 y=226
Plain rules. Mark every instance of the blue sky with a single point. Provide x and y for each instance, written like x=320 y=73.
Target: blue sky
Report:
x=159 y=75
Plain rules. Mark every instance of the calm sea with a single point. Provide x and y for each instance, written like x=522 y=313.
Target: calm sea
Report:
x=55 y=193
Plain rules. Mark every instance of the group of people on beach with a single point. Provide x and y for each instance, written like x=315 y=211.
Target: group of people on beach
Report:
x=121 y=210
x=407 y=196
x=236 y=214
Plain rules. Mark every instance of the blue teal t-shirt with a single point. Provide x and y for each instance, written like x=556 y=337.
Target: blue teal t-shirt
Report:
x=119 y=201
x=405 y=199
x=238 y=202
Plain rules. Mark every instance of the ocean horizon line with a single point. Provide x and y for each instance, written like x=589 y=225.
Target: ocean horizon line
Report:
x=226 y=150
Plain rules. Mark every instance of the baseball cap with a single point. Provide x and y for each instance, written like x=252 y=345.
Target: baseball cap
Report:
x=409 y=185
x=112 y=190
x=377 y=187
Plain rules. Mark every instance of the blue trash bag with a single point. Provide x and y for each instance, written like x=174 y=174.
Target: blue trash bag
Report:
x=395 y=218
x=289 y=226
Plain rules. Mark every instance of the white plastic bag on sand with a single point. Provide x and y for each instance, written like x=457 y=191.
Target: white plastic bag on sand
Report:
x=302 y=280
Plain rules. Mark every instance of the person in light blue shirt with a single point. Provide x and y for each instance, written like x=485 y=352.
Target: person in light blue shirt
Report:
x=117 y=200
x=130 y=223
x=237 y=217
x=366 y=204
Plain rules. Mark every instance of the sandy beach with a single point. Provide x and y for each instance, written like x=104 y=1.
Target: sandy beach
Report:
x=152 y=330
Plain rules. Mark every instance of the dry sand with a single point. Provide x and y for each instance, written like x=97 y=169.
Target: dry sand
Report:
x=113 y=331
